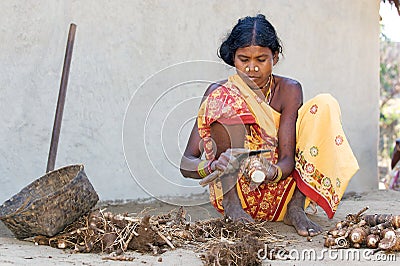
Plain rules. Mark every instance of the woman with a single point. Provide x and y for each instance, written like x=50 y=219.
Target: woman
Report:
x=256 y=109
x=394 y=182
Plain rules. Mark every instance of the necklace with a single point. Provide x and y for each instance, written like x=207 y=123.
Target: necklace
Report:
x=268 y=94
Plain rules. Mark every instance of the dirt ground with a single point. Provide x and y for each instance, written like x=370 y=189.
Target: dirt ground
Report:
x=17 y=252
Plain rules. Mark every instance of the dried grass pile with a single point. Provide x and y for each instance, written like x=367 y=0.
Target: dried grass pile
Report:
x=220 y=241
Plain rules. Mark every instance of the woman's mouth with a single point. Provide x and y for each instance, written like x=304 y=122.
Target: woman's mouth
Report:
x=253 y=78
x=252 y=81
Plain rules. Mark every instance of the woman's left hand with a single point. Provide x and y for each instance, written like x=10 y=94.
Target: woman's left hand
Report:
x=260 y=164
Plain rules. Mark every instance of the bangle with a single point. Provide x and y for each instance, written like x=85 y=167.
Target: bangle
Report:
x=278 y=175
x=201 y=169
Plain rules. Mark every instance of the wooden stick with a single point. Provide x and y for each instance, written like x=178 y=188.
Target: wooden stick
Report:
x=169 y=243
x=119 y=258
x=61 y=100
x=210 y=178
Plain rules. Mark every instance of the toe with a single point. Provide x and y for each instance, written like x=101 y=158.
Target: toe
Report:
x=314 y=229
x=301 y=230
x=312 y=232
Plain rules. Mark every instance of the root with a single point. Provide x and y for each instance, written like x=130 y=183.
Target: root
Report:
x=219 y=241
x=366 y=231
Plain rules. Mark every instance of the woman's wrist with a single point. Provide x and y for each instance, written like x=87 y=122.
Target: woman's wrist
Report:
x=201 y=169
x=205 y=167
x=273 y=173
x=278 y=174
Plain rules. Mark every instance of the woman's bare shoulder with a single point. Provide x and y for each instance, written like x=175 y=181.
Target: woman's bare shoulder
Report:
x=287 y=82
x=290 y=92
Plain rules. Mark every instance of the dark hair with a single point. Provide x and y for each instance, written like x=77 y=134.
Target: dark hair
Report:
x=249 y=31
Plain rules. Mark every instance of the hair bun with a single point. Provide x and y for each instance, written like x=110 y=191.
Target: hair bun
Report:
x=261 y=16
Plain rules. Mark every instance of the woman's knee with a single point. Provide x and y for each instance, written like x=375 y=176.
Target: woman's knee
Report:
x=328 y=101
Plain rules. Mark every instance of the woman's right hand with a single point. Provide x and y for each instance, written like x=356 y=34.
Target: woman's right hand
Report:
x=227 y=161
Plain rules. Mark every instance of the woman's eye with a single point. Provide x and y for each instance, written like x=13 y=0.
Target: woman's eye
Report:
x=261 y=60
x=244 y=60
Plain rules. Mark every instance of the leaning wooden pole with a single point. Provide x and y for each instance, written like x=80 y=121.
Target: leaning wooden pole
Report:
x=61 y=99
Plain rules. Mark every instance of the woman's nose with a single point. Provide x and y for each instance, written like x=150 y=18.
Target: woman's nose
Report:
x=253 y=67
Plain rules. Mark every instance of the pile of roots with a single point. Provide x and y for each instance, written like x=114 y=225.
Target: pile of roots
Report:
x=377 y=231
x=219 y=241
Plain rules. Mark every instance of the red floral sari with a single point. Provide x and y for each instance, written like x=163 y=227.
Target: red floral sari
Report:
x=324 y=160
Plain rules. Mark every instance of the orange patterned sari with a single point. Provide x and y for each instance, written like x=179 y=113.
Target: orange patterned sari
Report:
x=324 y=160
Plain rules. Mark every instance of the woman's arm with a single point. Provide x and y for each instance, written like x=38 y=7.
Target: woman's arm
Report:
x=194 y=148
x=191 y=156
x=288 y=100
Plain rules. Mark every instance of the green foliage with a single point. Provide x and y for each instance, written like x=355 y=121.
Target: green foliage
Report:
x=389 y=95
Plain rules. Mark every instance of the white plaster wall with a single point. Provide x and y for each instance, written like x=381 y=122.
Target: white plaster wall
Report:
x=329 y=46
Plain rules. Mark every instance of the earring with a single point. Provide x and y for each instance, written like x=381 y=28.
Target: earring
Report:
x=256 y=69
x=247 y=69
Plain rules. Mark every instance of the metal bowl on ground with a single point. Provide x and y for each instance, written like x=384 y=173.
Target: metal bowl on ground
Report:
x=50 y=203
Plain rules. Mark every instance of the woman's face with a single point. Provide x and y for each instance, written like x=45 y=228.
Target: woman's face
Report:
x=250 y=59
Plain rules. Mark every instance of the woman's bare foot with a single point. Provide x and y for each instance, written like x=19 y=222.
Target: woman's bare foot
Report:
x=235 y=212
x=232 y=205
x=296 y=216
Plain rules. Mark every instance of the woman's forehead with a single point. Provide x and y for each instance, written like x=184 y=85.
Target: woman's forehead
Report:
x=253 y=50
